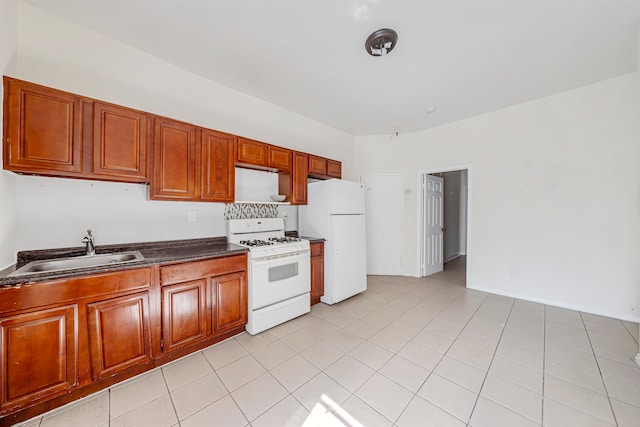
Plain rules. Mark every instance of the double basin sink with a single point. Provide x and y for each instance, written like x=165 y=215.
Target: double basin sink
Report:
x=72 y=263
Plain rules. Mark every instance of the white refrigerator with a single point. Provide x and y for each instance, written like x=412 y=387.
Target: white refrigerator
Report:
x=335 y=212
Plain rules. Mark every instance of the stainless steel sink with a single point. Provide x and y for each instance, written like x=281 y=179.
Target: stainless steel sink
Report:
x=72 y=263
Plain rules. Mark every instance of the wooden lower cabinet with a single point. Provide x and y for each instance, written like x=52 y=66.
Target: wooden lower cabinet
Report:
x=119 y=334
x=39 y=355
x=183 y=314
x=63 y=339
x=201 y=300
x=230 y=308
x=317 y=272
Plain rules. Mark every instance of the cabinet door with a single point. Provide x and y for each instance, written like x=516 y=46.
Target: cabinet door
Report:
x=39 y=355
x=43 y=130
x=229 y=301
x=317 y=272
x=317 y=166
x=299 y=179
x=317 y=279
x=119 y=334
x=120 y=143
x=218 y=166
x=334 y=169
x=279 y=158
x=174 y=161
x=183 y=314
x=252 y=152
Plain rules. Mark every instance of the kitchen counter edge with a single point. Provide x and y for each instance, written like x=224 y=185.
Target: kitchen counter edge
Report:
x=162 y=252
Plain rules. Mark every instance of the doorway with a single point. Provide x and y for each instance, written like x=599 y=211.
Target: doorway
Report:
x=452 y=234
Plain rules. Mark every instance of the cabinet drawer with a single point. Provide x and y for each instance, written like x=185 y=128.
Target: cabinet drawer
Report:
x=192 y=270
x=317 y=249
x=62 y=290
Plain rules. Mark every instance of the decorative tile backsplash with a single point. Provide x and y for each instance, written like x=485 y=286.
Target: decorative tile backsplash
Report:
x=250 y=210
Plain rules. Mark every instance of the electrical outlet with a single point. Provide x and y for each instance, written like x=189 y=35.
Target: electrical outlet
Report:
x=515 y=273
x=191 y=216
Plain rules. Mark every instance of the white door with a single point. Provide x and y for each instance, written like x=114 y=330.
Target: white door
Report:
x=345 y=262
x=384 y=203
x=433 y=224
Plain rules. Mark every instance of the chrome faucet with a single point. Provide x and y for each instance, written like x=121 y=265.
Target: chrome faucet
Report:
x=90 y=242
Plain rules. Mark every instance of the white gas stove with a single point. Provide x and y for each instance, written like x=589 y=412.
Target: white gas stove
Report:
x=279 y=271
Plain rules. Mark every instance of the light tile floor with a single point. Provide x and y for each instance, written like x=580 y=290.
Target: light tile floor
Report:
x=407 y=352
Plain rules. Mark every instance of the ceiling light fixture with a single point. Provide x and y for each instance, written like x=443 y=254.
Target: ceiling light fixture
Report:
x=381 y=42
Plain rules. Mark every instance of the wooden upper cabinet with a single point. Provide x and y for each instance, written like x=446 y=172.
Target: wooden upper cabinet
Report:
x=294 y=183
x=120 y=143
x=300 y=173
x=252 y=152
x=174 y=161
x=317 y=165
x=39 y=353
x=43 y=130
x=218 y=163
x=279 y=158
x=119 y=334
x=334 y=169
x=56 y=133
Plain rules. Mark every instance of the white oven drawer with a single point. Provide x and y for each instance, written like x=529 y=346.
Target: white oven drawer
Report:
x=279 y=278
x=268 y=317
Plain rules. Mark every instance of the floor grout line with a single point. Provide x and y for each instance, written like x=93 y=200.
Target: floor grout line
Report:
x=490 y=363
x=613 y=413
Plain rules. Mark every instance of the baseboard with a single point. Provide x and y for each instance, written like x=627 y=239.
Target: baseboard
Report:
x=451 y=258
x=585 y=309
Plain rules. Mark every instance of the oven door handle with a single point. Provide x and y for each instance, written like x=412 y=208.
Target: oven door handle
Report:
x=288 y=256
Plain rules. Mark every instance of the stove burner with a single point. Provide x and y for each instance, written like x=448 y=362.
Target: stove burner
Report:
x=255 y=242
x=285 y=239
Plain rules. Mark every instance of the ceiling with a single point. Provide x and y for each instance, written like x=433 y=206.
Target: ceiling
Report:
x=464 y=57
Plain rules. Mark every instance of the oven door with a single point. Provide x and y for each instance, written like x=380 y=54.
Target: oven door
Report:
x=278 y=278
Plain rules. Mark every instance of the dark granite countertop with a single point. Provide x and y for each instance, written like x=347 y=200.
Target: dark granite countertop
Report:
x=310 y=239
x=163 y=252
x=313 y=239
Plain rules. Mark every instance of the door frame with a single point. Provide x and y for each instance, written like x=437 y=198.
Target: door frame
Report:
x=420 y=216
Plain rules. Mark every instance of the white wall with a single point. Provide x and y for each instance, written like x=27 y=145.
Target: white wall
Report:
x=638 y=204
x=63 y=55
x=8 y=63
x=555 y=188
